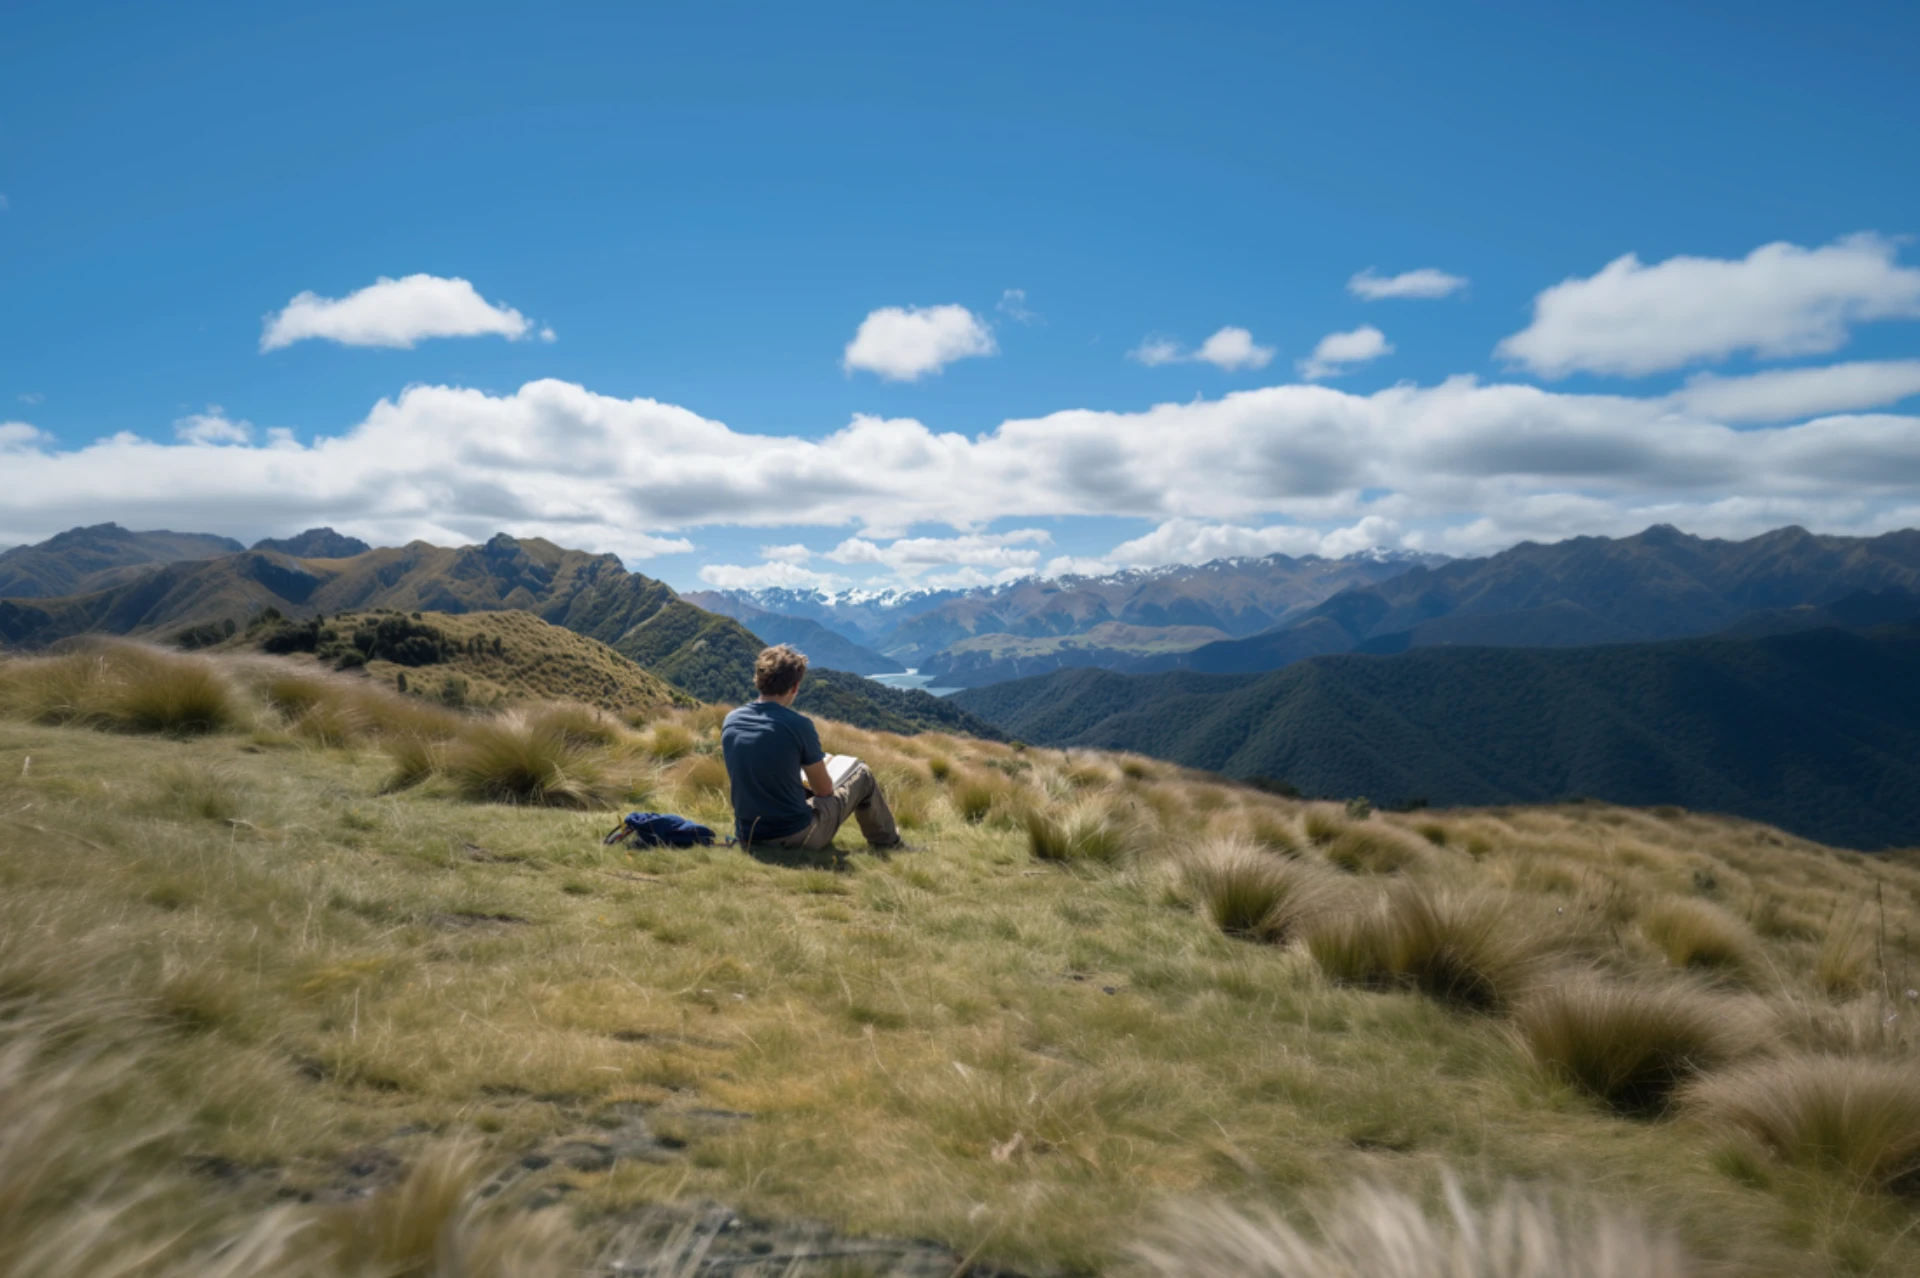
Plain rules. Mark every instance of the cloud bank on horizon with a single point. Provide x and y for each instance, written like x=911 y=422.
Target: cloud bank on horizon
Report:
x=1464 y=465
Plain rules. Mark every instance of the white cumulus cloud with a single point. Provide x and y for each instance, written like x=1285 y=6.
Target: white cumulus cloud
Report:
x=395 y=313
x=774 y=572
x=1780 y=300
x=17 y=436
x=1426 y=282
x=1784 y=394
x=910 y=556
x=1196 y=541
x=1336 y=353
x=212 y=427
x=904 y=344
x=792 y=553
x=1231 y=348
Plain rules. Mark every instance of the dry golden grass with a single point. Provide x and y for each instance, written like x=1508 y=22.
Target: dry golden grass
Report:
x=1377 y=1232
x=1858 y=1116
x=1373 y=847
x=125 y=687
x=300 y=967
x=1632 y=1045
x=1252 y=893
x=520 y=757
x=1081 y=834
x=1472 y=949
x=1699 y=934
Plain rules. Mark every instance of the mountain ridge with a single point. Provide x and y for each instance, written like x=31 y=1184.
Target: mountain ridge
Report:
x=1658 y=584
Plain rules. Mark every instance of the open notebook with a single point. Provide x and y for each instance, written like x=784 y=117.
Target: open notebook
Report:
x=838 y=765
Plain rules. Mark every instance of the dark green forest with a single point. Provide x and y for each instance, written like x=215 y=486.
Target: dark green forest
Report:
x=1817 y=732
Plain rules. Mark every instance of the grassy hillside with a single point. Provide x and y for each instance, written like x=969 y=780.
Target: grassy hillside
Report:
x=278 y=1012
x=1817 y=732
x=473 y=659
x=1659 y=584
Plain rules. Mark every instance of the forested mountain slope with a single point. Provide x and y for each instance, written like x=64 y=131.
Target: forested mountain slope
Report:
x=1818 y=732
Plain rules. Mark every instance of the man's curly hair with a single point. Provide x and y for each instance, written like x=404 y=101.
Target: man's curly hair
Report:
x=779 y=670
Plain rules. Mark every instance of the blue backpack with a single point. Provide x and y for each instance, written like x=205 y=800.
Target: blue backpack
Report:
x=659 y=830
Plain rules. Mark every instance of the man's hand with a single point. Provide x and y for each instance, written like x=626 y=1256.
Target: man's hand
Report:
x=817 y=779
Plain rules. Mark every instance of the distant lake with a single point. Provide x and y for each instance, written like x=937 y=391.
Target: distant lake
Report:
x=912 y=679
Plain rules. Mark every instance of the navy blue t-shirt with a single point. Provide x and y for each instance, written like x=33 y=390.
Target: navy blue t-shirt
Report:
x=766 y=745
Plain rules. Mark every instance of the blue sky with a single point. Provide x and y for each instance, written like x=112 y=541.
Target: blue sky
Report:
x=704 y=204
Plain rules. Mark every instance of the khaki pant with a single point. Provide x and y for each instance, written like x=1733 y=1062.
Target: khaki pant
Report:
x=858 y=795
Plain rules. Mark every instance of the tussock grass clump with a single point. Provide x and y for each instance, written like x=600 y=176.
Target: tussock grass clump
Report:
x=340 y=711
x=1086 y=774
x=1632 y=1045
x=414 y=760
x=1471 y=949
x=705 y=772
x=1373 y=849
x=520 y=759
x=1845 y=963
x=124 y=687
x=1375 y=1232
x=1081 y=833
x=669 y=741
x=1323 y=823
x=1274 y=834
x=1863 y=1027
x=1698 y=934
x=974 y=798
x=940 y=768
x=580 y=724
x=1859 y=1117
x=1252 y=893
x=437 y=1221
x=1777 y=920
x=195 y=792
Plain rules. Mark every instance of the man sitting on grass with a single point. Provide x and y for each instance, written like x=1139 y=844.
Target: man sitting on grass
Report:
x=768 y=746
